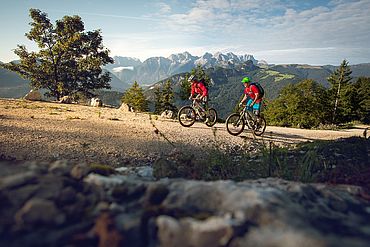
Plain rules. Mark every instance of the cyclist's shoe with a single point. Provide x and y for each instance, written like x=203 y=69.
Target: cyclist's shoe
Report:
x=207 y=120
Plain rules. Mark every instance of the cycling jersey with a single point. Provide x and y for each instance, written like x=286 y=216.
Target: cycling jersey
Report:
x=198 y=88
x=251 y=91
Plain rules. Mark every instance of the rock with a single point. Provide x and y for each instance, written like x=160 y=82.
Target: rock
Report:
x=17 y=180
x=167 y=114
x=66 y=100
x=124 y=107
x=33 y=95
x=187 y=232
x=96 y=102
x=39 y=211
x=59 y=167
x=80 y=171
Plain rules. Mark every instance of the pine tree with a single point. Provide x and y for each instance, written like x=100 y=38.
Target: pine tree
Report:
x=134 y=97
x=69 y=60
x=168 y=97
x=340 y=92
x=361 y=100
x=158 y=100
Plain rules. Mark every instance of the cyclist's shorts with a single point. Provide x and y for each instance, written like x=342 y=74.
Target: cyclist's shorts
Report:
x=256 y=106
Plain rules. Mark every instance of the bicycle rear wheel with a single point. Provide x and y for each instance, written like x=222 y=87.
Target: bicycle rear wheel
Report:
x=235 y=124
x=186 y=116
x=260 y=127
x=212 y=117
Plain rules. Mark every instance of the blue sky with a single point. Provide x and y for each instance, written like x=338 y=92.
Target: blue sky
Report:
x=313 y=32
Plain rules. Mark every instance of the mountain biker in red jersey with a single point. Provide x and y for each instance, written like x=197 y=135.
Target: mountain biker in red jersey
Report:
x=197 y=87
x=252 y=93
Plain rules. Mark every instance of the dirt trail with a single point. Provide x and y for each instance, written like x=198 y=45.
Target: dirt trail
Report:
x=46 y=131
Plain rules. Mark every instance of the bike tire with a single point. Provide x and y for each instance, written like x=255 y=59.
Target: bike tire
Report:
x=262 y=127
x=212 y=116
x=186 y=116
x=235 y=124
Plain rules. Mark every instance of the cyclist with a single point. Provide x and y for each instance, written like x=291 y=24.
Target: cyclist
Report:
x=198 y=89
x=254 y=96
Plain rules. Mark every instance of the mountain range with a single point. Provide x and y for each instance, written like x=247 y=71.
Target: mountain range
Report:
x=155 y=69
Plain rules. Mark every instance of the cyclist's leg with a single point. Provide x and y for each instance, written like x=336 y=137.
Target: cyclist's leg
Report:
x=247 y=106
x=256 y=111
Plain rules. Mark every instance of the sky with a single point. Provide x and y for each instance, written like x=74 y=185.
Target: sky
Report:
x=316 y=32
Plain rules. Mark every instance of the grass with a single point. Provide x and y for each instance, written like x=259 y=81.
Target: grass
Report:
x=343 y=161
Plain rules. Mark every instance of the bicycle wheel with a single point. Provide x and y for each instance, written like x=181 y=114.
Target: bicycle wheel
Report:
x=187 y=116
x=260 y=127
x=212 y=117
x=235 y=124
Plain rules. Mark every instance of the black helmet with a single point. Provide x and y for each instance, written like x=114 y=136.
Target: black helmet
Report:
x=191 y=78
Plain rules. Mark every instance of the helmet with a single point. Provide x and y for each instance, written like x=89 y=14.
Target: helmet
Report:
x=246 y=79
x=191 y=78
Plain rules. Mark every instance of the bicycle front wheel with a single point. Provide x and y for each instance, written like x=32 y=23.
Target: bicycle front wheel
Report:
x=186 y=116
x=212 y=117
x=235 y=124
x=259 y=127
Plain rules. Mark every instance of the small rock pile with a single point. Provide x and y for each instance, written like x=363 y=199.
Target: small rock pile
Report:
x=65 y=204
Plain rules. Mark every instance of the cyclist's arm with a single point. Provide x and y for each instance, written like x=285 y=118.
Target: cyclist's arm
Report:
x=243 y=100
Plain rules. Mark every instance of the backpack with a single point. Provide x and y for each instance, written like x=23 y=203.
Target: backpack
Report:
x=261 y=91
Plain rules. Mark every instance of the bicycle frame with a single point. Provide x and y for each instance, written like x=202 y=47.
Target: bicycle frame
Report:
x=248 y=116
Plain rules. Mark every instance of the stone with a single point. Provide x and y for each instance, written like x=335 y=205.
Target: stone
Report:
x=39 y=211
x=17 y=180
x=96 y=102
x=66 y=100
x=167 y=114
x=33 y=95
x=188 y=232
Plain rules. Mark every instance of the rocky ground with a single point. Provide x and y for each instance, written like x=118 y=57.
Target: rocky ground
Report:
x=49 y=131
x=64 y=204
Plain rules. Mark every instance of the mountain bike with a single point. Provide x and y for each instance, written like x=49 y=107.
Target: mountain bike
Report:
x=236 y=122
x=196 y=111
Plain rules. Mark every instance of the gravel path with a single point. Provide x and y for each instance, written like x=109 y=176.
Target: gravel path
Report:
x=47 y=131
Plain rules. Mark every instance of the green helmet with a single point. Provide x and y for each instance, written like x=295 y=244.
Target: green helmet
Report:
x=246 y=79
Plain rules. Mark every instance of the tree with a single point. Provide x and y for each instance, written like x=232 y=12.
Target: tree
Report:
x=339 y=92
x=134 y=97
x=69 y=60
x=158 y=100
x=168 y=97
x=164 y=100
x=361 y=100
x=300 y=105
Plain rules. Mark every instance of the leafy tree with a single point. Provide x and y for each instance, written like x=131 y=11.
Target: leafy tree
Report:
x=340 y=93
x=200 y=74
x=299 y=105
x=134 y=97
x=69 y=60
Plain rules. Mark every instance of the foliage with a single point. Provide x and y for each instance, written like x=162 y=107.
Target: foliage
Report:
x=134 y=97
x=340 y=93
x=164 y=100
x=69 y=60
x=361 y=100
x=299 y=105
